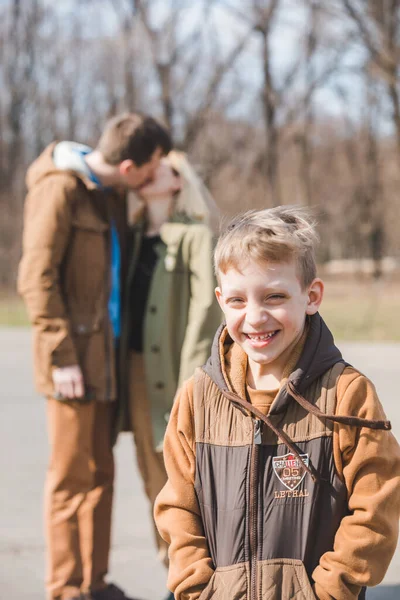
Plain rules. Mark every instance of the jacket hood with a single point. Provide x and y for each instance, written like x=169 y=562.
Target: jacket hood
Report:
x=60 y=158
x=319 y=354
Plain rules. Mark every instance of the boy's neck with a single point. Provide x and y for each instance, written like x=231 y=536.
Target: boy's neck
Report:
x=259 y=379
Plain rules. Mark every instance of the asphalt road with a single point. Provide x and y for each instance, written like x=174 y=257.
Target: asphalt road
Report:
x=134 y=565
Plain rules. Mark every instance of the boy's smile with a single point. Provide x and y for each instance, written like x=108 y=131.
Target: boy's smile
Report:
x=261 y=340
x=265 y=309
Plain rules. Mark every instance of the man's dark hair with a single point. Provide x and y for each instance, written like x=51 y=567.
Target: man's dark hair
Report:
x=133 y=136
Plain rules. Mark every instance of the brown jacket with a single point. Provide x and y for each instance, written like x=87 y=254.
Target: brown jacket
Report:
x=243 y=519
x=64 y=274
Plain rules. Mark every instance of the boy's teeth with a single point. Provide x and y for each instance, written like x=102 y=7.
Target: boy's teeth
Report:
x=261 y=337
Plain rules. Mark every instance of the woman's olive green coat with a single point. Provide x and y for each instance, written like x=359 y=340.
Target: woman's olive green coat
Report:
x=181 y=317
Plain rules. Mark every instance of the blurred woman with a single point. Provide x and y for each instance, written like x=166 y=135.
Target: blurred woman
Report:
x=170 y=309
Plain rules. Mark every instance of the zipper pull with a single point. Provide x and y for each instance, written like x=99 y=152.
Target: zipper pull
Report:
x=257 y=431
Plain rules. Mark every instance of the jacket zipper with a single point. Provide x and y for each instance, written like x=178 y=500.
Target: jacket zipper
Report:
x=257 y=431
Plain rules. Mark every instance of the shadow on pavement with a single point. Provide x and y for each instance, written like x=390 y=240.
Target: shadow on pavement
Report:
x=384 y=592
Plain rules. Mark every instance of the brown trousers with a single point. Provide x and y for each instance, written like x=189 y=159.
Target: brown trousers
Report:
x=150 y=462
x=78 y=497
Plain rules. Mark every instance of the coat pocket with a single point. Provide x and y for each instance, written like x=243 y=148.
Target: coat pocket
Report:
x=83 y=329
x=286 y=579
x=88 y=334
x=227 y=583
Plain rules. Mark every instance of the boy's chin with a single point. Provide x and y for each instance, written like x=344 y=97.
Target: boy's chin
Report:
x=259 y=357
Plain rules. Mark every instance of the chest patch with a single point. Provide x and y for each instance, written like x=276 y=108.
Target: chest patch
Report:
x=289 y=470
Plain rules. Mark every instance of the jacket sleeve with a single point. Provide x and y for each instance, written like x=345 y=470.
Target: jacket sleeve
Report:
x=369 y=462
x=177 y=513
x=204 y=313
x=47 y=227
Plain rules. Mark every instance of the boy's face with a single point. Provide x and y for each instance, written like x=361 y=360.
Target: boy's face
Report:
x=265 y=310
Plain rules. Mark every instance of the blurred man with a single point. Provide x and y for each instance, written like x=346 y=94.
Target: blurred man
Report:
x=70 y=277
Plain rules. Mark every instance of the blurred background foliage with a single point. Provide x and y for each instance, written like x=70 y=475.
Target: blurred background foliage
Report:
x=275 y=101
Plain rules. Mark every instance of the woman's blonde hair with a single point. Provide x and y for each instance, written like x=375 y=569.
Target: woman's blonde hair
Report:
x=194 y=199
x=279 y=234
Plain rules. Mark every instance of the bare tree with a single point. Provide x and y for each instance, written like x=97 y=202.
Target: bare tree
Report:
x=378 y=23
x=261 y=15
x=176 y=59
x=305 y=133
x=18 y=65
x=373 y=199
x=287 y=94
x=253 y=123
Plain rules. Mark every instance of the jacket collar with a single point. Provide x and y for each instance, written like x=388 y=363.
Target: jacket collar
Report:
x=319 y=354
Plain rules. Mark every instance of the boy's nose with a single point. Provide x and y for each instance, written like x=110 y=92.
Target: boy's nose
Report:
x=256 y=315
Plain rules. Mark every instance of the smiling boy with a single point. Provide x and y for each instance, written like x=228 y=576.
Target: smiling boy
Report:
x=283 y=479
x=265 y=308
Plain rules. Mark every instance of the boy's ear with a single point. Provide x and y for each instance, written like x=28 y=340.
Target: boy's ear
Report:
x=219 y=297
x=315 y=295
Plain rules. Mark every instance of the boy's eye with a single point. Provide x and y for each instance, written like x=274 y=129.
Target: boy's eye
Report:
x=275 y=297
x=235 y=300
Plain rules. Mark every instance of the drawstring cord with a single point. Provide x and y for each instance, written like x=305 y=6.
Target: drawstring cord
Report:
x=311 y=408
x=281 y=434
x=345 y=420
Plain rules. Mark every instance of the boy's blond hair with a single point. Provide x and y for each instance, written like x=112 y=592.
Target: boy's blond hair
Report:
x=274 y=235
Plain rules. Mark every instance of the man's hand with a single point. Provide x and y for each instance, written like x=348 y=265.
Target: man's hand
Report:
x=68 y=382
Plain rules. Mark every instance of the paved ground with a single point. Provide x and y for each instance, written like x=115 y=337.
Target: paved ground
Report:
x=134 y=566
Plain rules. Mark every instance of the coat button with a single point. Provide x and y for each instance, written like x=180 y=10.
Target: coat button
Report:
x=153 y=309
x=154 y=348
x=159 y=385
x=81 y=329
